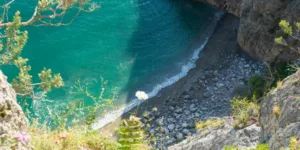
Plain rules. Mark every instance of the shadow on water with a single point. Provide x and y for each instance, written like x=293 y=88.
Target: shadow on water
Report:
x=163 y=38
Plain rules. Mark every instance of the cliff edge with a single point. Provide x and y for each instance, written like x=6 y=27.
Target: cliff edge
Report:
x=12 y=118
x=259 y=21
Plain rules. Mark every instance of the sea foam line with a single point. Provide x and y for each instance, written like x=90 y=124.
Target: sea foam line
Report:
x=115 y=114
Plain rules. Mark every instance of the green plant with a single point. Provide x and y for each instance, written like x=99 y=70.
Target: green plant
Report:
x=257 y=86
x=131 y=135
x=276 y=110
x=13 y=39
x=76 y=137
x=258 y=147
x=294 y=144
x=209 y=123
x=244 y=111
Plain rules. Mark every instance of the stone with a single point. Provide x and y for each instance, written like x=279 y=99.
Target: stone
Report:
x=206 y=94
x=179 y=110
x=171 y=141
x=171 y=127
x=185 y=131
x=184 y=125
x=220 y=85
x=179 y=136
x=187 y=112
x=159 y=121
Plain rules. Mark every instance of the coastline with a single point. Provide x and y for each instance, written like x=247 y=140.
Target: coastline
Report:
x=222 y=72
x=222 y=43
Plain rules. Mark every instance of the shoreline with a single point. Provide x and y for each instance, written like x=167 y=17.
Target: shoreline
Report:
x=203 y=93
x=209 y=57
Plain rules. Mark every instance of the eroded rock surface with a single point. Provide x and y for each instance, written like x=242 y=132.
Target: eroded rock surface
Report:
x=12 y=118
x=215 y=138
x=277 y=130
x=259 y=21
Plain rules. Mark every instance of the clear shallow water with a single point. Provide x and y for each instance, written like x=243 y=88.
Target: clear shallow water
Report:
x=133 y=44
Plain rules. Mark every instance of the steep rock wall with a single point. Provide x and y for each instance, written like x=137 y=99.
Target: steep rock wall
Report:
x=12 y=118
x=259 y=25
x=277 y=129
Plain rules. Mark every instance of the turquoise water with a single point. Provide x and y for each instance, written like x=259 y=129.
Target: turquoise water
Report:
x=133 y=44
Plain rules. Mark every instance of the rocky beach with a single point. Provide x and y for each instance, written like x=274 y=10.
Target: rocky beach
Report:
x=222 y=72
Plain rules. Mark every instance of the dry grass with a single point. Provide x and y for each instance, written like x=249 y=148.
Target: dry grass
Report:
x=75 y=138
x=244 y=111
x=209 y=123
x=276 y=110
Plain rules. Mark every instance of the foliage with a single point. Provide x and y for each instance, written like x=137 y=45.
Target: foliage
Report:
x=280 y=71
x=257 y=86
x=258 y=147
x=292 y=34
x=285 y=26
x=131 y=135
x=244 y=111
x=78 y=137
x=276 y=111
x=209 y=123
x=294 y=143
x=13 y=39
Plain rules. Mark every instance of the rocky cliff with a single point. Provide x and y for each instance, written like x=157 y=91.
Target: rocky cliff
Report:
x=279 y=121
x=12 y=119
x=259 y=21
x=278 y=127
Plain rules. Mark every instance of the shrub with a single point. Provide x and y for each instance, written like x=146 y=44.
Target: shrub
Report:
x=73 y=138
x=257 y=86
x=294 y=144
x=244 y=112
x=209 y=123
x=276 y=111
x=131 y=135
x=258 y=147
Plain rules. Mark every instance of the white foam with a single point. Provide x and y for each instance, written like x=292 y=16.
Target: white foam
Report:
x=115 y=114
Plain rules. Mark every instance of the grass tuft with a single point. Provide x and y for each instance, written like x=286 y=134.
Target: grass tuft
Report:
x=209 y=123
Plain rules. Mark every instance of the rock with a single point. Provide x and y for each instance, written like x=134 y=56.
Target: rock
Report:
x=171 y=127
x=194 y=109
x=220 y=85
x=171 y=141
x=171 y=120
x=215 y=72
x=184 y=125
x=259 y=25
x=171 y=108
x=179 y=136
x=277 y=130
x=186 y=97
x=206 y=94
x=185 y=131
x=187 y=112
x=159 y=121
x=179 y=110
x=12 y=118
x=217 y=138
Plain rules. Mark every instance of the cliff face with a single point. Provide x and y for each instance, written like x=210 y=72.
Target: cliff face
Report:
x=277 y=129
x=12 y=118
x=259 y=21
